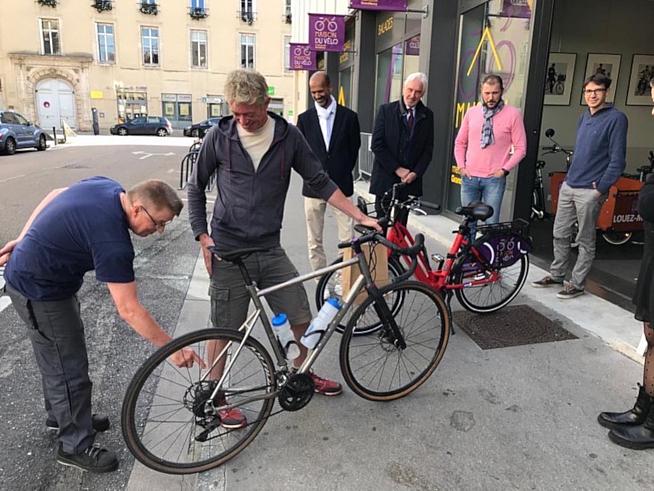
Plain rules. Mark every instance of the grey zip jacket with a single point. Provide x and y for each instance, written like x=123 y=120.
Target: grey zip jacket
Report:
x=249 y=208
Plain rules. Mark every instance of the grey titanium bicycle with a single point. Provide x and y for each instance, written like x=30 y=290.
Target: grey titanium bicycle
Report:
x=171 y=416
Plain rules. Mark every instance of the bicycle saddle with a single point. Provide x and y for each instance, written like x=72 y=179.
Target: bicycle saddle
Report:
x=476 y=210
x=237 y=254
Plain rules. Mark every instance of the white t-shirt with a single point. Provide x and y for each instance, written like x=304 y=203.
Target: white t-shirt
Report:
x=257 y=143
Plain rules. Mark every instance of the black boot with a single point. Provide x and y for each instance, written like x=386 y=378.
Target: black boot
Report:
x=637 y=437
x=633 y=417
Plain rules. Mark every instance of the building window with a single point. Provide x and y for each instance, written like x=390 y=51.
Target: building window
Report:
x=106 y=43
x=287 y=53
x=248 y=12
x=50 y=37
x=247 y=50
x=150 y=45
x=199 y=49
x=177 y=107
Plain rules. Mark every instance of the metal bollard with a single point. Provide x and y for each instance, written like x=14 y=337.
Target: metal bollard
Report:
x=54 y=134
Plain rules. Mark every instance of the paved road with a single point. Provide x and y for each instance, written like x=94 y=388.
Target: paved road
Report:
x=163 y=267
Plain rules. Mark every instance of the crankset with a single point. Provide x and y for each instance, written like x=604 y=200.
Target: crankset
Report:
x=297 y=392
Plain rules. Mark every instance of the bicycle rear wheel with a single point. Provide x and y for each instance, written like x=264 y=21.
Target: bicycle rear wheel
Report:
x=490 y=297
x=373 y=367
x=165 y=421
x=330 y=286
x=616 y=238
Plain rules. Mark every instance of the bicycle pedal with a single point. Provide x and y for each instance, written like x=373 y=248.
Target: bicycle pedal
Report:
x=437 y=258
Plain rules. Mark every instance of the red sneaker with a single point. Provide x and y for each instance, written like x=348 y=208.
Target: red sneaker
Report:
x=232 y=419
x=325 y=386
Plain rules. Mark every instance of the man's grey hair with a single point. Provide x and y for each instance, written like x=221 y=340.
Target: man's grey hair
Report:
x=246 y=87
x=418 y=76
x=157 y=193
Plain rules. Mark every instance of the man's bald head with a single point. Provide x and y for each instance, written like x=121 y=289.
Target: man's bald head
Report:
x=320 y=88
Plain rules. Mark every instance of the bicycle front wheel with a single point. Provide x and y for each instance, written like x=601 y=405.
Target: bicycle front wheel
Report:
x=376 y=369
x=166 y=421
x=330 y=285
x=490 y=297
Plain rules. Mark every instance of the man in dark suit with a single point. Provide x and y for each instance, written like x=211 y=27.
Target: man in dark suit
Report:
x=332 y=132
x=402 y=141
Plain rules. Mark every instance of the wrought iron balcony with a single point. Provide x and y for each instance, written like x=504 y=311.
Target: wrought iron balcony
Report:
x=102 y=5
x=47 y=3
x=247 y=16
x=198 y=12
x=149 y=8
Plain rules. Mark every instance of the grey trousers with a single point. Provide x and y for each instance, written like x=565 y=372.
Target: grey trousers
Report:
x=579 y=205
x=57 y=335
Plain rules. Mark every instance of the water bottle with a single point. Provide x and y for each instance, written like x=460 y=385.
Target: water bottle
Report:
x=285 y=336
x=321 y=322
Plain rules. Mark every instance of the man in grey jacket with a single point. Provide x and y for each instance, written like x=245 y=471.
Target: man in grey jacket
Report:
x=253 y=153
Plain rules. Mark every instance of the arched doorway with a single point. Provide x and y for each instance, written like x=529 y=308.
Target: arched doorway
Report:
x=55 y=101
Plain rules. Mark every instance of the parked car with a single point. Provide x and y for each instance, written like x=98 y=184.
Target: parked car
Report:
x=17 y=132
x=198 y=130
x=144 y=125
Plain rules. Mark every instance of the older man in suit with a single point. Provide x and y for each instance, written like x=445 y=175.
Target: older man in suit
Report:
x=332 y=132
x=402 y=142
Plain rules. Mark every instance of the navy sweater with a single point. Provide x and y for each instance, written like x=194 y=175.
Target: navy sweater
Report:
x=599 y=157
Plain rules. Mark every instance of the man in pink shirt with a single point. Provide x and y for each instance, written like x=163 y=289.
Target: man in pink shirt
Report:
x=491 y=141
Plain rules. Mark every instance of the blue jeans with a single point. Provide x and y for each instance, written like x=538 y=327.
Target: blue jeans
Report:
x=489 y=190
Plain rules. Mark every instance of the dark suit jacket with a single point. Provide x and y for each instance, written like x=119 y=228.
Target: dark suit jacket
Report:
x=344 y=145
x=394 y=147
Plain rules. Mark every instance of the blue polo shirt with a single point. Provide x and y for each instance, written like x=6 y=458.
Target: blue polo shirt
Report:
x=600 y=150
x=84 y=228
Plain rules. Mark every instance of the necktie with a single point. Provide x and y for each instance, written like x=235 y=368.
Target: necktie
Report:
x=410 y=121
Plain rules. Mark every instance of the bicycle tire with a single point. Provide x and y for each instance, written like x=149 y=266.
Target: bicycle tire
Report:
x=424 y=321
x=616 y=238
x=468 y=296
x=329 y=285
x=160 y=391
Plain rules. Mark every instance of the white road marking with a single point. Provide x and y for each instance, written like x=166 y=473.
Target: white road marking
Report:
x=4 y=303
x=146 y=155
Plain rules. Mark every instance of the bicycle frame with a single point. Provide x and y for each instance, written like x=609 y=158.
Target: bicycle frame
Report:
x=364 y=279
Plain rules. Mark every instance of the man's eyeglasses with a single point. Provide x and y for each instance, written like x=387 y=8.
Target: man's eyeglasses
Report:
x=157 y=224
x=593 y=91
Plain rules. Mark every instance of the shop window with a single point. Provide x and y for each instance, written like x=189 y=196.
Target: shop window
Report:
x=494 y=37
x=199 y=49
x=106 y=43
x=150 y=45
x=389 y=75
x=177 y=107
x=132 y=103
x=247 y=50
x=50 y=37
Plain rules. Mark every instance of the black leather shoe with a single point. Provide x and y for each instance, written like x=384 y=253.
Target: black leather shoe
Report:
x=93 y=459
x=100 y=423
x=637 y=437
x=633 y=417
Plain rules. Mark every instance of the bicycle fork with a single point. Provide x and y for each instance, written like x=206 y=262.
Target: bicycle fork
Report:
x=390 y=330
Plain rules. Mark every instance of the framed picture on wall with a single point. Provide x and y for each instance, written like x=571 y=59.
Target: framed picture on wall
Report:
x=606 y=64
x=558 y=82
x=642 y=71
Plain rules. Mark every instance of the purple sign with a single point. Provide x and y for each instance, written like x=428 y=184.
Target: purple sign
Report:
x=326 y=32
x=387 y=5
x=302 y=58
x=412 y=46
x=516 y=8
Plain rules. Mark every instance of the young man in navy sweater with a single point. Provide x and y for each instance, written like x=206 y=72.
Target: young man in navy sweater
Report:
x=598 y=161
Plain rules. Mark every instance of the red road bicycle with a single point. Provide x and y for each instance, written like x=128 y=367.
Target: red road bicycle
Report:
x=485 y=275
